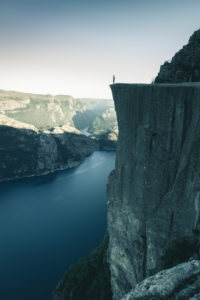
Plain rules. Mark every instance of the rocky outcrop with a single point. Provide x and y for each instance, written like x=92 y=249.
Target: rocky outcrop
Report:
x=26 y=151
x=184 y=66
x=154 y=191
x=179 y=283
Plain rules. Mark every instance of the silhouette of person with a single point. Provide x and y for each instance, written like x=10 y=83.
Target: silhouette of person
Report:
x=113 y=78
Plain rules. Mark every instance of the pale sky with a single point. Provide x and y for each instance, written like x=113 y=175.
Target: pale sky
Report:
x=74 y=47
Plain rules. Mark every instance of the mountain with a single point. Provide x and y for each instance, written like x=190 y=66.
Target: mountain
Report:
x=185 y=65
x=47 y=111
x=105 y=129
x=40 y=133
x=105 y=123
x=153 y=207
x=153 y=197
x=154 y=192
x=26 y=151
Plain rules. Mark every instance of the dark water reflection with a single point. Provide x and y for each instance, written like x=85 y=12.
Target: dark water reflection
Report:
x=47 y=223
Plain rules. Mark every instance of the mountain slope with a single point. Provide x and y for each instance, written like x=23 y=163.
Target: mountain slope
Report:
x=46 y=111
x=185 y=65
x=27 y=151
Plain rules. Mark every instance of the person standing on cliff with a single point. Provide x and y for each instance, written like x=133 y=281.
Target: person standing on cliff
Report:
x=113 y=79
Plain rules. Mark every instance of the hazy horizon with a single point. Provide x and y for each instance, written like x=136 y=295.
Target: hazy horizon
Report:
x=74 y=47
x=51 y=94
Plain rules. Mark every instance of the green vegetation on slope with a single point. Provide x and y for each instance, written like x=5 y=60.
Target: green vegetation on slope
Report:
x=89 y=279
x=101 y=126
x=105 y=124
x=84 y=119
x=48 y=111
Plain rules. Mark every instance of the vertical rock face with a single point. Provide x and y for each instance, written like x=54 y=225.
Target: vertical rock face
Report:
x=154 y=191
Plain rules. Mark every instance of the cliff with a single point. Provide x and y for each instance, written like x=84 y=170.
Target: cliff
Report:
x=26 y=151
x=184 y=66
x=154 y=193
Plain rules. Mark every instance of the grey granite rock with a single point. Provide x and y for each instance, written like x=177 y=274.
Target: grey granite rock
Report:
x=154 y=191
x=179 y=283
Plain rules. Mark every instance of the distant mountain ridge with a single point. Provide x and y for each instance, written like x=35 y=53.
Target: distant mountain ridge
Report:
x=41 y=133
x=45 y=111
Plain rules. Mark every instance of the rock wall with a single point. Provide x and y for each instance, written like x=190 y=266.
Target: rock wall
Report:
x=154 y=191
x=184 y=66
x=29 y=152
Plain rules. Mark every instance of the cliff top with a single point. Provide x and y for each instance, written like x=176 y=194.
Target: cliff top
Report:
x=192 y=84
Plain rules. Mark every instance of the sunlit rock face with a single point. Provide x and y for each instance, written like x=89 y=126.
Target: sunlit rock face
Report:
x=184 y=66
x=48 y=111
x=154 y=191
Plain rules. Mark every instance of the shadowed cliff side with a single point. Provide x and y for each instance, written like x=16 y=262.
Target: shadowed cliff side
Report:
x=154 y=192
x=184 y=66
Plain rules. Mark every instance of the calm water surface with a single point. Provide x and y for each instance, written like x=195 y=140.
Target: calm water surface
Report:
x=47 y=223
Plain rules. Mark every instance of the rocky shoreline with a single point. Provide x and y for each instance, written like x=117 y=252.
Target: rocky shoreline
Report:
x=69 y=166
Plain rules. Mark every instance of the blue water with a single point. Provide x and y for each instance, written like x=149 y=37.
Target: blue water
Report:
x=48 y=223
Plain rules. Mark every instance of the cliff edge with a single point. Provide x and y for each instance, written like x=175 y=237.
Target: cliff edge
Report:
x=154 y=191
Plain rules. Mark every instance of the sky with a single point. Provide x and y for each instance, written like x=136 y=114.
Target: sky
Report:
x=74 y=47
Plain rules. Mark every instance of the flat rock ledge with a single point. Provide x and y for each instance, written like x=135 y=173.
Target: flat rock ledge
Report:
x=178 y=283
